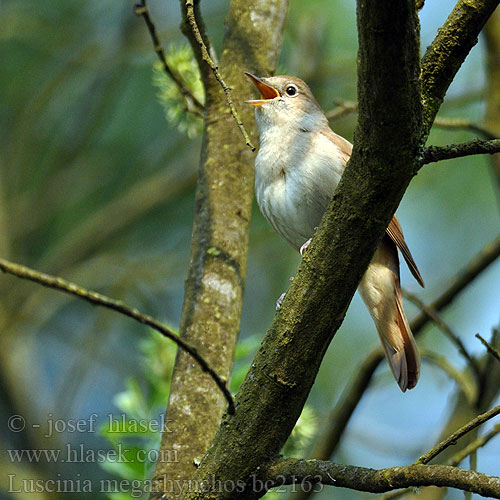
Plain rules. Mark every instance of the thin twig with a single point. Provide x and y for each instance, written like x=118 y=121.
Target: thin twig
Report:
x=454 y=461
x=463 y=124
x=452 y=438
x=347 y=107
x=491 y=364
x=334 y=427
x=462 y=378
x=394 y=494
x=486 y=256
x=116 y=305
x=191 y=18
x=343 y=108
x=475 y=445
x=489 y=347
x=141 y=9
x=476 y=147
x=443 y=326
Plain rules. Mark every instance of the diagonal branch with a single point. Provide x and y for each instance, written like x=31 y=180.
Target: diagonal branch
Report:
x=454 y=461
x=307 y=473
x=343 y=108
x=98 y=299
x=433 y=154
x=480 y=262
x=464 y=124
x=448 y=51
x=452 y=439
x=475 y=445
x=489 y=347
x=331 y=434
x=468 y=386
x=141 y=9
x=443 y=326
x=491 y=36
x=281 y=375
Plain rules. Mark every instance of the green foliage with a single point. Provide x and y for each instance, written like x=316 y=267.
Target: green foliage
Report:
x=245 y=351
x=134 y=434
x=81 y=147
x=302 y=435
x=298 y=443
x=175 y=105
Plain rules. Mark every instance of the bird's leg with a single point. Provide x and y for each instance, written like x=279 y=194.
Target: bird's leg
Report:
x=303 y=248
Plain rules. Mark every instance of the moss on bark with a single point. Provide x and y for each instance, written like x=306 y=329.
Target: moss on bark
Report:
x=393 y=122
x=215 y=282
x=448 y=51
x=284 y=369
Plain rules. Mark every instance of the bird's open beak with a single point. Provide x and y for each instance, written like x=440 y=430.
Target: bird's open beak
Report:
x=266 y=91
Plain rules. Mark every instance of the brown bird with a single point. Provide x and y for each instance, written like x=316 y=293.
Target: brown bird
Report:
x=298 y=166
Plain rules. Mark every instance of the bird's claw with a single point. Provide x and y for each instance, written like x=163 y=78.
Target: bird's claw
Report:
x=280 y=300
x=303 y=248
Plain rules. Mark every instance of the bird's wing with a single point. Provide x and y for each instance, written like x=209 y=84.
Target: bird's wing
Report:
x=394 y=230
x=344 y=145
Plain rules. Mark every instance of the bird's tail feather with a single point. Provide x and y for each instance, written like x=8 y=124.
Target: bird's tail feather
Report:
x=381 y=292
x=399 y=346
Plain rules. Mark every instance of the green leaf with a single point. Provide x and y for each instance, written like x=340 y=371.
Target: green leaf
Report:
x=178 y=110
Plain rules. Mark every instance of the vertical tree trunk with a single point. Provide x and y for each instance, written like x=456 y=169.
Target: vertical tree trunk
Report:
x=216 y=277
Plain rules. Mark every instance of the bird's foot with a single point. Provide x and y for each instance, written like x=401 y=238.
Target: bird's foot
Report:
x=303 y=248
x=282 y=296
x=280 y=301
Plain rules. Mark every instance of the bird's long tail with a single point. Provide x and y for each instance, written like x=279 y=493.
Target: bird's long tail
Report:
x=381 y=292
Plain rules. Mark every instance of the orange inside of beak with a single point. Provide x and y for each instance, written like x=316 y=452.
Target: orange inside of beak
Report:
x=266 y=91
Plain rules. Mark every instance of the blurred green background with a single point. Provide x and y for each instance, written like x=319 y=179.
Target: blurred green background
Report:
x=97 y=186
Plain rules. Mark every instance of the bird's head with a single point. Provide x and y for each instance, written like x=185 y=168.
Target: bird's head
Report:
x=285 y=101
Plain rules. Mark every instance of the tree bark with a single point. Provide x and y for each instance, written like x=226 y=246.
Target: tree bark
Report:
x=283 y=371
x=462 y=411
x=392 y=127
x=215 y=283
x=390 y=132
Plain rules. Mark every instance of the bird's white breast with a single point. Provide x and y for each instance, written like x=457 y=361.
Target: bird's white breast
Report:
x=296 y=173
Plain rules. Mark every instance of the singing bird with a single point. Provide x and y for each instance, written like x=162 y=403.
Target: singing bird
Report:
x=298 y=166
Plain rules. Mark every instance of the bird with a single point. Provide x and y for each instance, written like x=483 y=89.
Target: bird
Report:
x=297 y=169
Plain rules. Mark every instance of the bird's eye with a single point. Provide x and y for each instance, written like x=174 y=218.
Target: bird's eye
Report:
x=291 y=90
